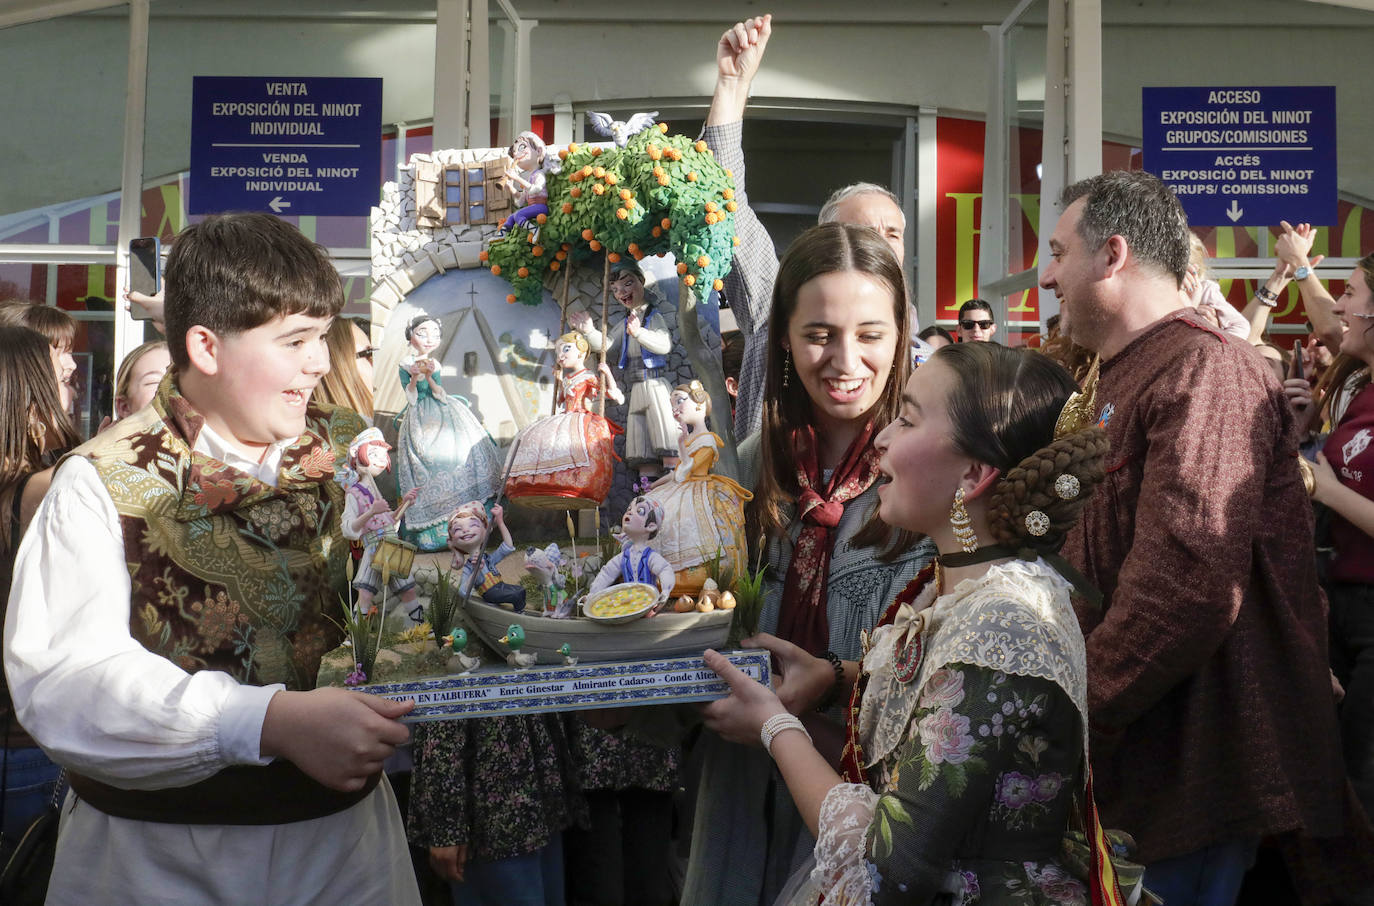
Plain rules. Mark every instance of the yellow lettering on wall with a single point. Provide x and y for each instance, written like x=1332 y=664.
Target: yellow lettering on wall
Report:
x=1030 y=209
x=1351 y=246
x=171 y=222
x=104 y=231
x=95 y=280
x=965 y=228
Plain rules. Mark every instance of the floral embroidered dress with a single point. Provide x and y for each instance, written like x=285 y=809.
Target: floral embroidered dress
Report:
x=566 y=458
x=972 y=753
x=443 y=450
x=504 y=786
x=703 y=517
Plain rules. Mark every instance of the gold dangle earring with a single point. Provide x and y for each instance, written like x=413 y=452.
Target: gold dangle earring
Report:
x=963 y=523
x=786 y=367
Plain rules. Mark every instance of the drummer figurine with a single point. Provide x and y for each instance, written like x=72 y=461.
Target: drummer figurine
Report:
x=368 y=517
x=637 y=561
x=467 y=533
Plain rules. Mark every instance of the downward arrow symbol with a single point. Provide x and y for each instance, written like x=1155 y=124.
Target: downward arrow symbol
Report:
x=1234 y=211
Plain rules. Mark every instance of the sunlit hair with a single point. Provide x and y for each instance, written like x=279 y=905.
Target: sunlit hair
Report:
x=32 y=419
x=844 y=193
x=1142 y=210
x=342 y=385
x=231 y=273
x=825 y=249
x=53 y=323
x=125 y=375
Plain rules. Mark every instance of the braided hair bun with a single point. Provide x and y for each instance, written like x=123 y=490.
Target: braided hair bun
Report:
x=1036 y=502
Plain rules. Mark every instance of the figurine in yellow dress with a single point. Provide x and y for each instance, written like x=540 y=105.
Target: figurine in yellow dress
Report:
x=703 y=525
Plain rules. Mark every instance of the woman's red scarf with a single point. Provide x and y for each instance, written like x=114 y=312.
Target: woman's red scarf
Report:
x=803 y=618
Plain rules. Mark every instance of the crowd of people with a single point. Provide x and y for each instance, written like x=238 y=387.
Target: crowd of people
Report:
x=1050 y=626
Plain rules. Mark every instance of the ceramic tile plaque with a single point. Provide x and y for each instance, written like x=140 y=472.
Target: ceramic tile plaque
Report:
x=501 y=691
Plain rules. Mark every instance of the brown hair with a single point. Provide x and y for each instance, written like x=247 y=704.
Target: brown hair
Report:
x=825 y=249
x=30 y=409
x=53 y=323
x=342 y=385
x=231 y=273
x=1333 y=383
x=1002 y=410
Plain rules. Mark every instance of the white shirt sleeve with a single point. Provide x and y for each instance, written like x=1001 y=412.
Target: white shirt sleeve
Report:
x=94 y=698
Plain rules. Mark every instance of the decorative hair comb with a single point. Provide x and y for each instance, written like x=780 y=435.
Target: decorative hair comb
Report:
x=1080 y=411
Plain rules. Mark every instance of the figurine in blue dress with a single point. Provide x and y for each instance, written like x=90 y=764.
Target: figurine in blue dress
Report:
x=441 y=447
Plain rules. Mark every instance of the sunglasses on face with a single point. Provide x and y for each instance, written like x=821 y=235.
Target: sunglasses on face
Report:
x=366 y=353
x=969 y=325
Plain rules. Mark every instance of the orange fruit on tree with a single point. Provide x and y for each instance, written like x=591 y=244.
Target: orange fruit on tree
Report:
x=563 y=154
x=703 y=261
x=710 y=207
x=598 y=189
x=599 y=172
x=626 y=195
x=690 y=280
x=567 y=205
x=612 y=179
x=496 y=270
x=691 y=175
x=612 y=257
x=663 y=127
x=596 y=151
x=587 y=233
x=701 y=147
x=560 y=254
x=731 y=206
x=717 y=284
x=594 y=245
x=572 y=147
x=542 y=219
x=537 y=251
x=666 y=223
x=510 y=298
x=554 y=265
x=483 y=255
x=621 y=213
x=575 y=192
x=682 y=267
x=657 y=232
x=727 y=193
x=523 y=272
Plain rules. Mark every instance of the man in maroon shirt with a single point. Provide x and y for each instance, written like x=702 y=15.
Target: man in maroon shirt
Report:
x=1210 y=707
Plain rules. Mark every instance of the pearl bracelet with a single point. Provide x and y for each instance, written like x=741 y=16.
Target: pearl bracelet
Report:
x=777 y=724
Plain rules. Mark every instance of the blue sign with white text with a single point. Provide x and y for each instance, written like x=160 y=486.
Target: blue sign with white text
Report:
x=287 y=145
x=1245 y=156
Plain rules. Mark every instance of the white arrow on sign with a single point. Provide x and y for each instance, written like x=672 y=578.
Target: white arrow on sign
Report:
x=1234 y=212
x=277 y=204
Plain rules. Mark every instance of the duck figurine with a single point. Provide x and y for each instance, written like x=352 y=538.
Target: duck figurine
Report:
x=459 y=663
x=569 y=659
x=514 y=639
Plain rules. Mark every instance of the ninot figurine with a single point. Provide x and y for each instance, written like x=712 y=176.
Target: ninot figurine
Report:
x=367 y=517
x=566 y=460
x=637 y=561
x=442 y=448
x=526 y=180
x=703 y=514
x=467 y=533
x=643 y=343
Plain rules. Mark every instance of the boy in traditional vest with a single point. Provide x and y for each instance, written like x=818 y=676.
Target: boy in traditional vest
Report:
x=173 y=598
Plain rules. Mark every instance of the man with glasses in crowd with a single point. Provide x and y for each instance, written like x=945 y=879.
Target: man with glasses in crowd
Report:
x=976 y=324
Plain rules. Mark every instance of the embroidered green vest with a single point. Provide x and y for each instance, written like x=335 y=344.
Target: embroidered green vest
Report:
x=229 y=573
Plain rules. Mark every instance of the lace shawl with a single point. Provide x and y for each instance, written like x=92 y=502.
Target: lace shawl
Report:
x=1016 y=619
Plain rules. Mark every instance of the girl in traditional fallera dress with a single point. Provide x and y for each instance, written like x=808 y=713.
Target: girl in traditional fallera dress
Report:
x=570 y=455
x=441 y=447
x=967 y=739
x=703 y=514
